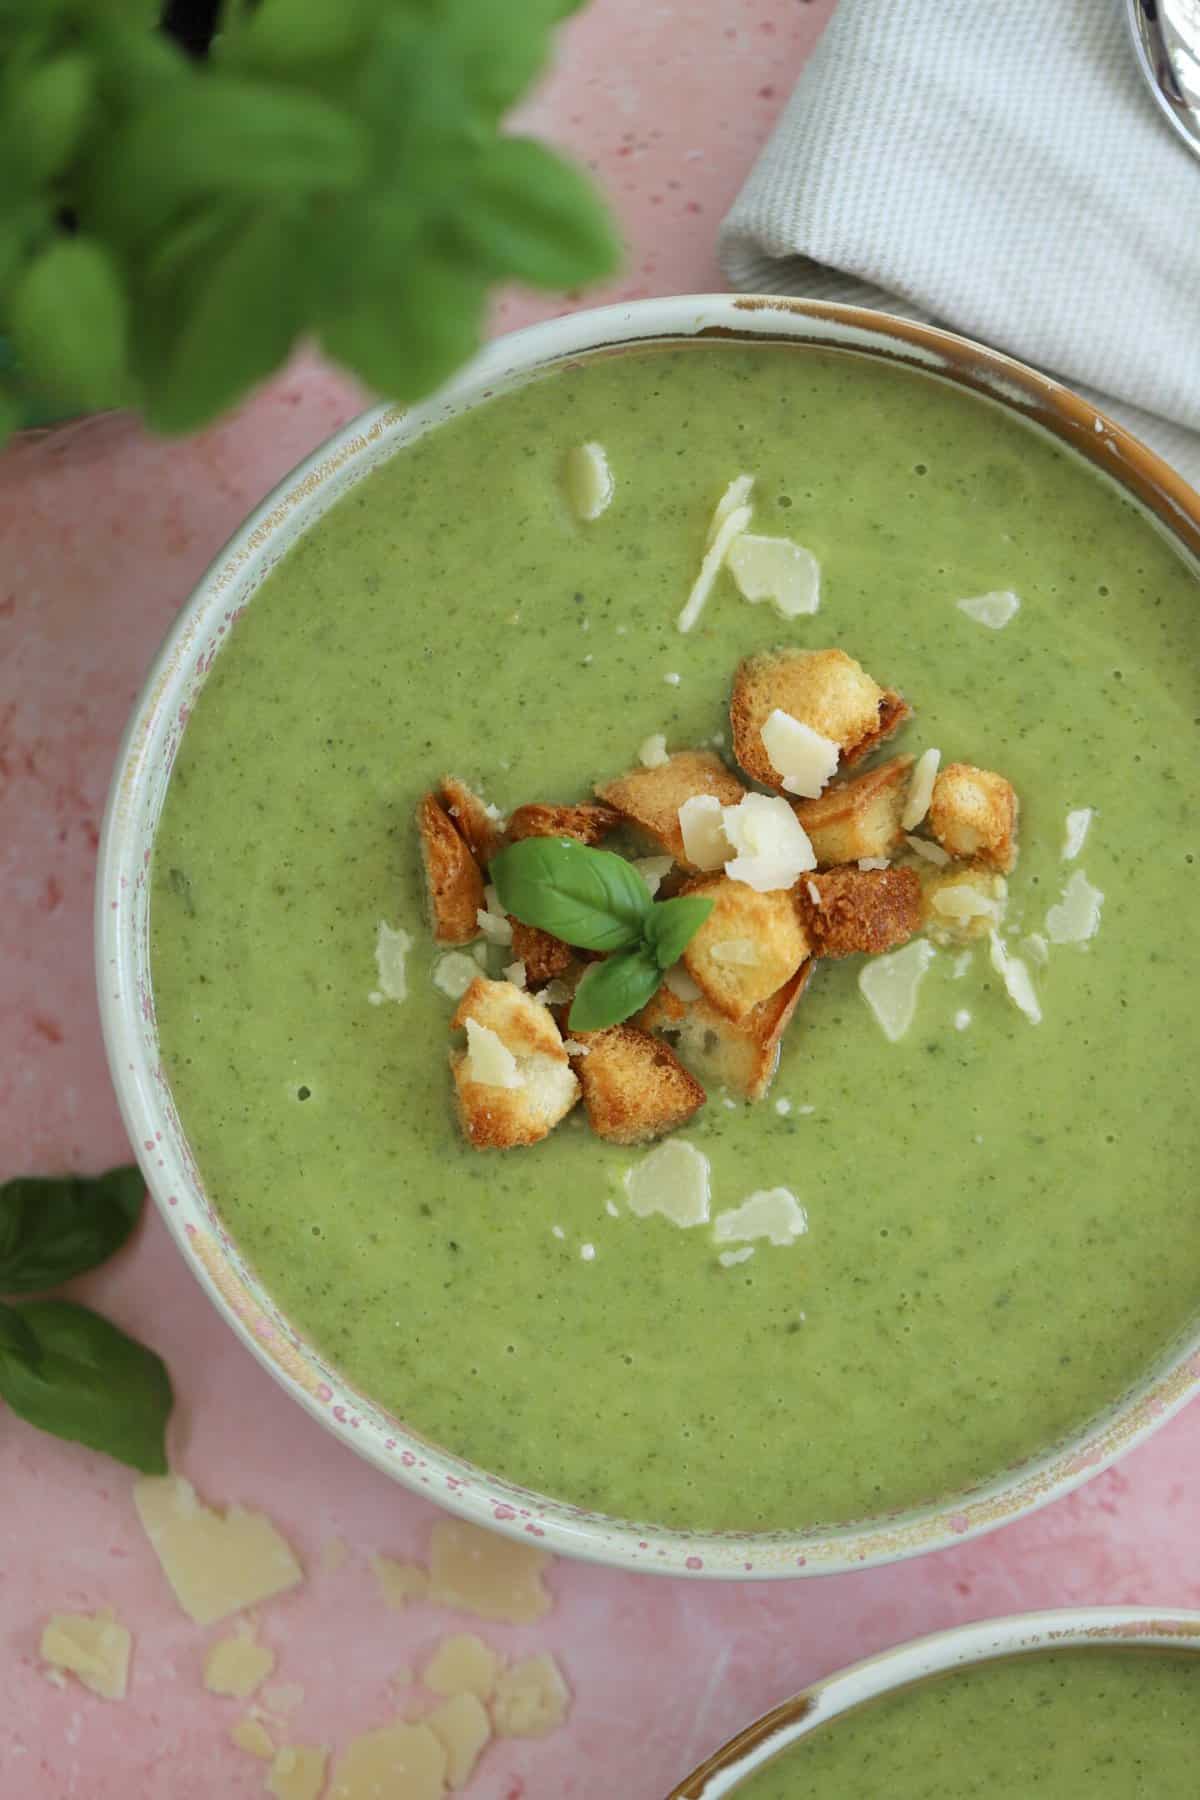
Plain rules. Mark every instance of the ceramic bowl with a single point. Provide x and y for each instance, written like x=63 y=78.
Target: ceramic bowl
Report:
x=1088 y=1628
x=127 y=999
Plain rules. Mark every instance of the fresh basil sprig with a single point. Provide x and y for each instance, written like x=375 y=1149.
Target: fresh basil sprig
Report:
x=597 y=901
x=337 y=170
x=62 y=1367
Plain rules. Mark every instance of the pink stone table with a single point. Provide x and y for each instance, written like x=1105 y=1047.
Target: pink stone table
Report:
x=103 y=533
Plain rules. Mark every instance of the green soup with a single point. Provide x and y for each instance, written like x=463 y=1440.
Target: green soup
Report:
x=1002 y=1223
x=1074 y=1725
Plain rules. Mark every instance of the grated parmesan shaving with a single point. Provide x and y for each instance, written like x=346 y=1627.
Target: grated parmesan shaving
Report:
x=920 y=792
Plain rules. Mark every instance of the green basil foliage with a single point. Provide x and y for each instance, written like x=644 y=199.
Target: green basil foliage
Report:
x=597 y=901
x=335 y=169
x=62 y=1367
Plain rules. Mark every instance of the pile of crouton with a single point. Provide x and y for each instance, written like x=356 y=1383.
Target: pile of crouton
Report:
x=727 y=1004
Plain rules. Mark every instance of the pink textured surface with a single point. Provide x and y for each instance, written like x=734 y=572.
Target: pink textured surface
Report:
x=104 y=533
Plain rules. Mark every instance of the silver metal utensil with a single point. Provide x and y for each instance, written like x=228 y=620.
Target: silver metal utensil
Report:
x=1166 y=36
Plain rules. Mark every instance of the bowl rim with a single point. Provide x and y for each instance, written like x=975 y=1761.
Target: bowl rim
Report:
x=921 y=1659
x=125 y=995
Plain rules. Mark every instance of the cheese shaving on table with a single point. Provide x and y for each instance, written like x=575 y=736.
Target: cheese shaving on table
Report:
x=94 y=1647
x=920 y=792
x=805 y=761
x=776 y=569
x=729 y=521
x=993 y=610
x=237 y=1665
x=217 y=1563
x=1017 y=981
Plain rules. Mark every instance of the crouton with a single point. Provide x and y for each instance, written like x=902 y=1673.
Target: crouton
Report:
x=544 y=956
x=742 y=1056
x=651 y=798
x=825 y=689
x=481 y=827
x=963 y=905
x=973 y=814
x=850 y=911
x=858 y=817
x=452 y=876
x=538 y=1091
x=749 y=945
x=635 y=1088
x=587 y=823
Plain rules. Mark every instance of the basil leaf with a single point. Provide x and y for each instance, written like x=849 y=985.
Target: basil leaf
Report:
x=46 y=114
x=56 y=1227
x=281 y=33
x=405 y=334
x=672 y=924
x=16 y=1339
x=91 y=1384
x=589 y=898
x=237 y=310
x=503 y=49
x=222 y=136
x=67 y=315
x=534 y=216
x=614 y=989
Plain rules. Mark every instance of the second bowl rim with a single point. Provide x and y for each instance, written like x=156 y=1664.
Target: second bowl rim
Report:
x=972 y=1644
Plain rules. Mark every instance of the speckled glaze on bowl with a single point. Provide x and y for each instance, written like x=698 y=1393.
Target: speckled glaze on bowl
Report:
x=127 y=1001
x=1080 y=1628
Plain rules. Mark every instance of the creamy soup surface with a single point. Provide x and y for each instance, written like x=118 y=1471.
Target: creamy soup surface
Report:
x=1075 y=1725
x=1002 y=1228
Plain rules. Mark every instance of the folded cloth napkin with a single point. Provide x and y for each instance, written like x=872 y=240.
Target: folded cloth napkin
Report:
x=1001 y=168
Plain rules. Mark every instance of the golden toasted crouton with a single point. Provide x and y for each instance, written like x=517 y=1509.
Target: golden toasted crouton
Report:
x=587 y=823
x=651 y=798
x=859 y=817
x=858 y=911
x=452 y=876
x=824 y=689
x=893 y=711
x=749 y=945
x=962 y=905
x=743 y=1056
x=540 y=1088
x=635 y=1088
x=482 y=830
x=544 y=956
x=973 y=813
